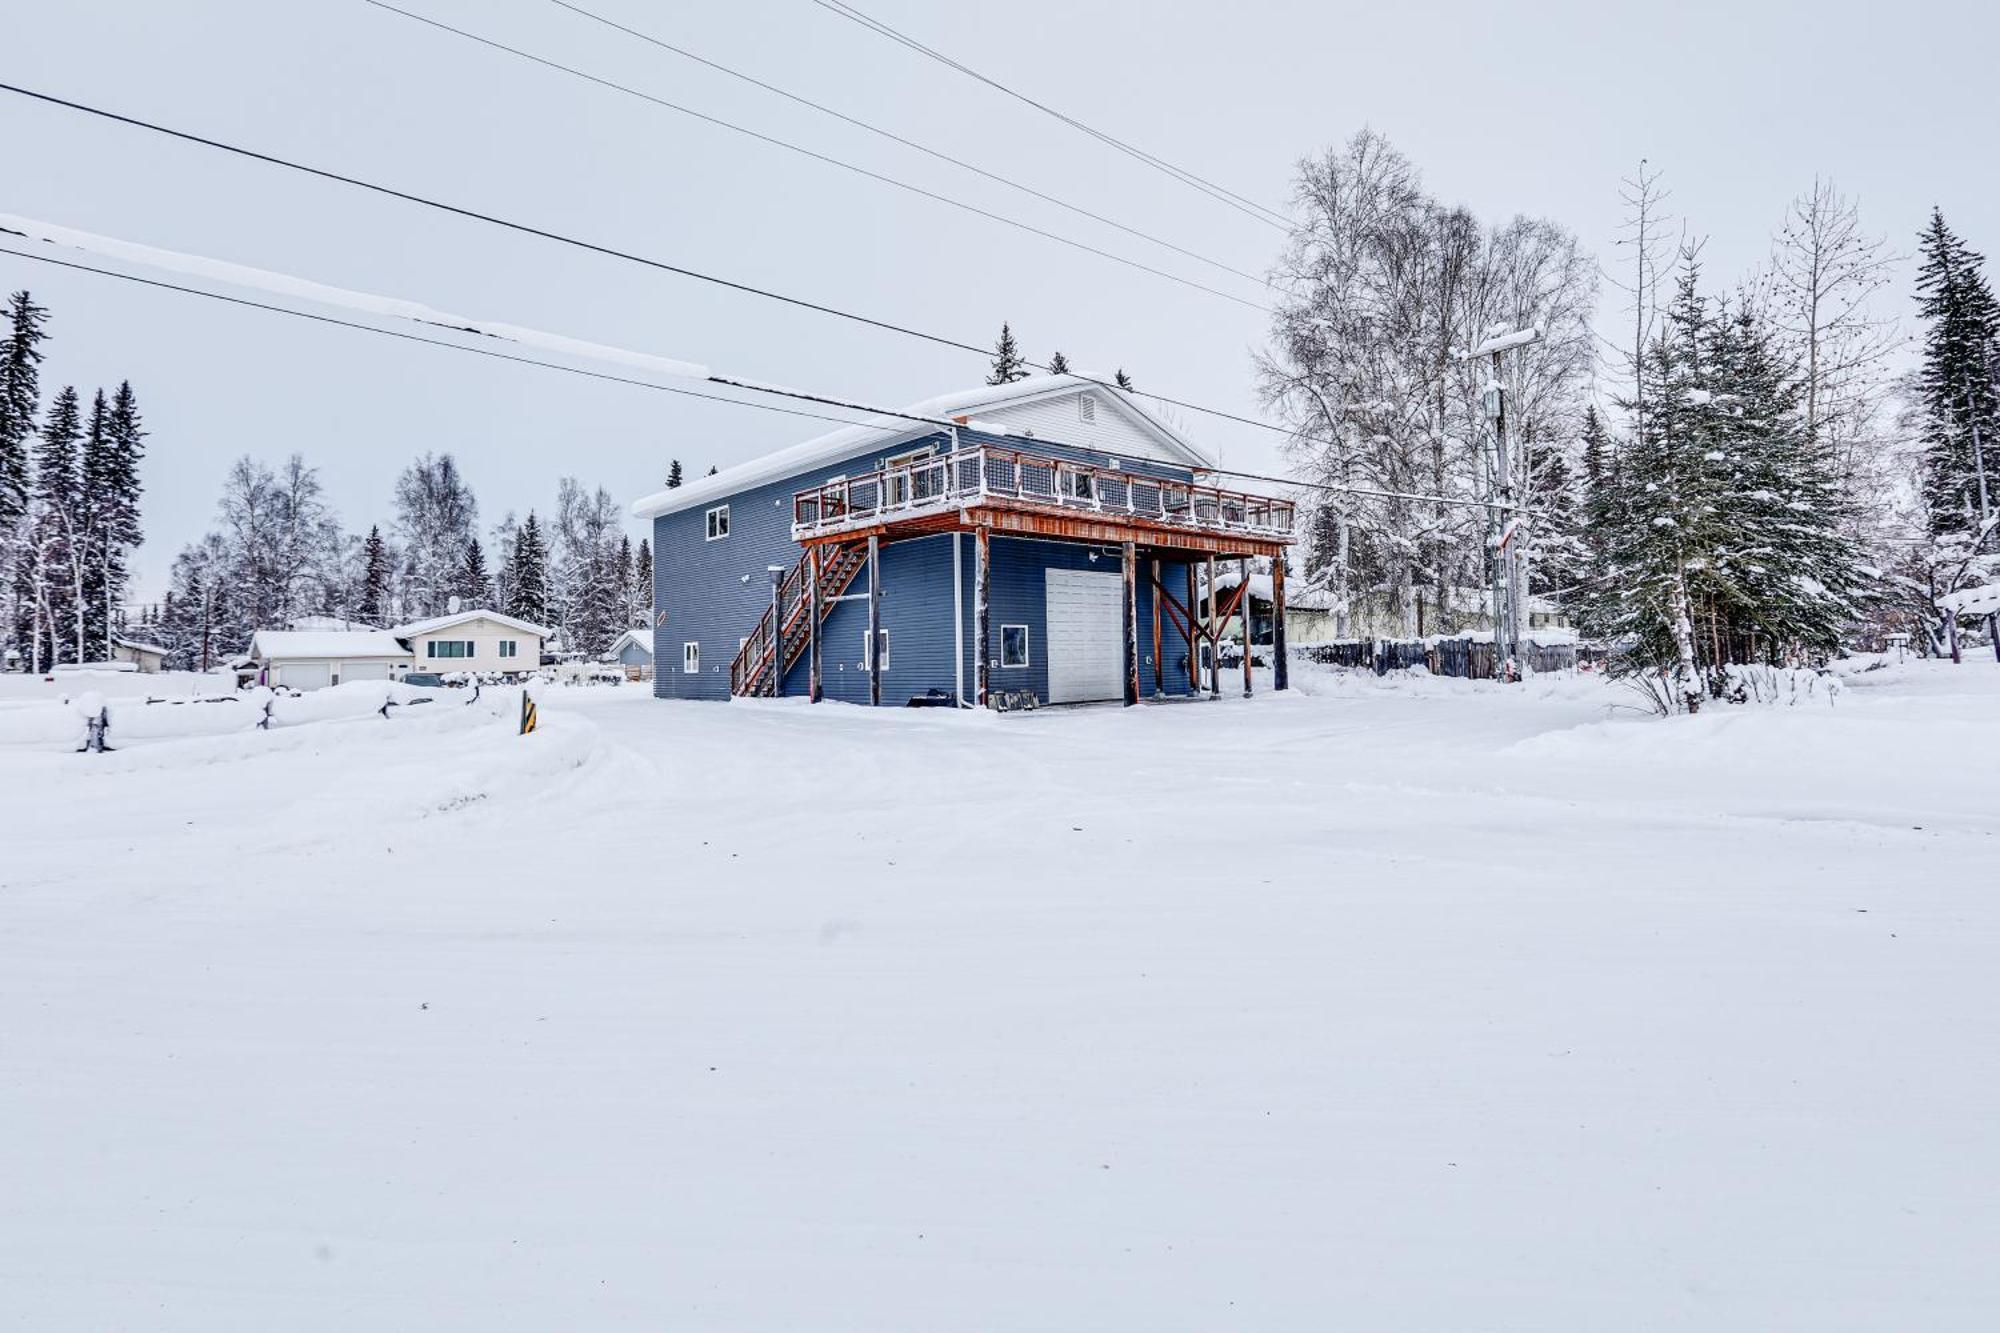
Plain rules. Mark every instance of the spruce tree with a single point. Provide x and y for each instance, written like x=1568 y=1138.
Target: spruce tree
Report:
x=1008 y=365
x=1058 y=364
x=1960 y=400
x=377 y=569
x=528 y=580
x=20 y=402
x=475 y=585
x=642 y=585
x=1122 y=380
x=674 y=475
x=55 y=543
x=111 y=473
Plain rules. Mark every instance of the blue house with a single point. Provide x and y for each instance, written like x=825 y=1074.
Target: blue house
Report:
x=1040 y=542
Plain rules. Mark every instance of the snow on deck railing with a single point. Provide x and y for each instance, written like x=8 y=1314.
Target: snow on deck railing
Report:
x=986 y=474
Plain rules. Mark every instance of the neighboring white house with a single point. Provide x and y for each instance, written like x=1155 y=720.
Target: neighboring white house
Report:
x=148 y=657
x=474 y=641
x=314 y=659
x=633 y=650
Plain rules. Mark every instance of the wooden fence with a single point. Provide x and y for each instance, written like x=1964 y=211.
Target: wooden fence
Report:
x=1468 y=659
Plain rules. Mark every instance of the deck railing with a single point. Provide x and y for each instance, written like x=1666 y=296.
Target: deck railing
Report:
x=988 y=473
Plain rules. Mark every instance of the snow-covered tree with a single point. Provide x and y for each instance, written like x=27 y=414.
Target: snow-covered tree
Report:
x=1008 y=363
x=527 y=576
x=21 y=335
x=435 y=513
x=475 y=585
x=111 y=487
x=373 y=604
x=642 y=585
x=589 y=583
x=1058 y=364
x=57 y=549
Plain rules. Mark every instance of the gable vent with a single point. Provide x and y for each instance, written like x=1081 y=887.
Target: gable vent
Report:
x=1086 y=407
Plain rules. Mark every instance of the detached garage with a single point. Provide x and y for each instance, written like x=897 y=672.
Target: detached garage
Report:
x=315 y=659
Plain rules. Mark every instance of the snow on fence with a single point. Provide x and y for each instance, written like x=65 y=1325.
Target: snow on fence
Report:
x=1466 y=658
x=74 y=722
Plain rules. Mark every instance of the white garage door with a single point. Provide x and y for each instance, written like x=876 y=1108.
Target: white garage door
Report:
x=1086 y=612
x=305 y=675
x=364 y=671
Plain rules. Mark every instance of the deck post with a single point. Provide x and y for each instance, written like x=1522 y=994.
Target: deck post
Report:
x=1194 y=655
x=874 y=621
x=1131 y=576
x=778 y=634
x=982 y=576
x=1159 y=667
x=1281 y=667
x=813 y=689
x=1243 y=612
x=1213 y=628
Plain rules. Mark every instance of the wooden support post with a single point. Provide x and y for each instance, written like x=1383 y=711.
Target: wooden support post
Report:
x=982 y=576
x=1243 y=614
x=1281 y=667
x=874 y=621
x=1159 y=667
x=1194 y=654
x=778 y=636
x=1131 y=574
x=813 y=687
x=1212 y=630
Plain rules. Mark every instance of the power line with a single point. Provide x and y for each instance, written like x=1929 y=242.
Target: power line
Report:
x=748 y=385
x=831 y=161
x=611 y=252
x=894 y=137
x=1249 y=207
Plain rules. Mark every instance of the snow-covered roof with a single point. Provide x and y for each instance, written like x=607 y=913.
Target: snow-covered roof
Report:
x=138 y=646
x=326 y=623
x=437 y=623
x=271 y=644
x=838 y=444
x=642 y=637
x=1296 y=598
x=1968 y=601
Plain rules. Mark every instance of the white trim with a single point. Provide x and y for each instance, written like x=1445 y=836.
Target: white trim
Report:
x=436 y=623
x=887 y=651
x=691 y=658
x=1027 y=648
x=716 y=532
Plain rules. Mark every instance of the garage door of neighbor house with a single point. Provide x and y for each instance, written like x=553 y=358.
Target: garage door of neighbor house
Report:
x=1086 y=658
x=305 y=675
x=363 y=671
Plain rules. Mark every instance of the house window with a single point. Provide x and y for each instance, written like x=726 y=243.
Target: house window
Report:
x=718 y=522
x=1086 y=408
x=449 y=648
x=508 y=648
x=883 y=639
x=691 y=659
x=1013 y=645
x=1075 y=484
x=907 y=479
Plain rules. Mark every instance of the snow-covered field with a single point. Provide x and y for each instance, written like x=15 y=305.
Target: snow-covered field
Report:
x=1383 y=1005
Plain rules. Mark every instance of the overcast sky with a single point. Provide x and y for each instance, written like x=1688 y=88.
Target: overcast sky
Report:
x=1507 y=108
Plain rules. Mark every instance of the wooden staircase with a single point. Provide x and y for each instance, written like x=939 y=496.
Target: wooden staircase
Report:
x=751 y=672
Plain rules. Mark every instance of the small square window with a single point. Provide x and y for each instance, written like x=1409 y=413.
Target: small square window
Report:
x=1013 y=645
x=718 y=522
x=691 y=659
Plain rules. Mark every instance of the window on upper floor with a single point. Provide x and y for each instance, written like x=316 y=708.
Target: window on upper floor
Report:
x=718 y=522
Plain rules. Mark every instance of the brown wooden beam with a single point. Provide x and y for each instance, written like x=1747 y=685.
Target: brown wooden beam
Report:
x=1243 y=603
x=1280 y=665
x=1129 y=570
x=1194 y=658
x=1159 y=666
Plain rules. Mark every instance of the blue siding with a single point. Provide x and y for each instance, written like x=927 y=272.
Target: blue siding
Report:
x=712 y=592
x=633 y=655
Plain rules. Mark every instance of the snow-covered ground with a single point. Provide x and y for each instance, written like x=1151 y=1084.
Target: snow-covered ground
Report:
x=1383 y=1005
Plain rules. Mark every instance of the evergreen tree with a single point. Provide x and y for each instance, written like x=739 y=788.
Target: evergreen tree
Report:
x=627 y=586
x=1008 y=365
x=1059 y=364
x=674 y=475
x=1961 y=402
x=475 y=586
x=113 y=479
x=373 y=605
x=712 y=469
x=56 y=550
x=528 y=579
x=642 y=586
x=20 y=402
x=1122 y=380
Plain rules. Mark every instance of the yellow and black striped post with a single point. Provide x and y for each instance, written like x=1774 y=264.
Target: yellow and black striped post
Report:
x=527 y=712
